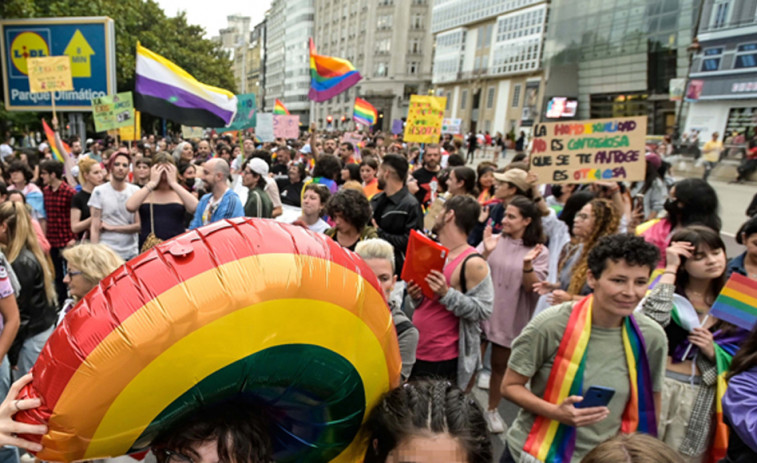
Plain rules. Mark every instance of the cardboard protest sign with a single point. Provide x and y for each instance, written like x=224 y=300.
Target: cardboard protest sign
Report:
x=264 y=127
x=451 y=126
x=424 y=119
x=49 y=74
x=397 y=126
x=246 y=115
x=286 y=126
x=113 y=111
x=131 y=132
x=188 y=133
x=590 y=151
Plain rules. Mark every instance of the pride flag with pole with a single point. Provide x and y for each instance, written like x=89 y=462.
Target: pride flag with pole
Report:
x=280 y=109
x=364 y=112
x=329 y=76
x=50 y=135
x=737 y=302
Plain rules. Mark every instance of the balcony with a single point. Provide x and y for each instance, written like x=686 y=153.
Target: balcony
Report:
x=733 y=28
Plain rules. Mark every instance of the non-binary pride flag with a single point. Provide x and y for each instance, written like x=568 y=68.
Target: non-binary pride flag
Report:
x=329 y=76
x=737 y=302
x=364 y=112
x=165 y=90
x=280 y=109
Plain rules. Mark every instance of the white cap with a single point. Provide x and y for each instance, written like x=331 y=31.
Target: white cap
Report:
x=258 y=166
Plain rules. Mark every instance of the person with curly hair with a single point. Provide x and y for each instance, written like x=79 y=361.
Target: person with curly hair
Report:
x=597 y=219
x=351 y=213
x=427 y=421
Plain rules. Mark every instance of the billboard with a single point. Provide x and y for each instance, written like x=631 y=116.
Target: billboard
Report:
x=88 y=41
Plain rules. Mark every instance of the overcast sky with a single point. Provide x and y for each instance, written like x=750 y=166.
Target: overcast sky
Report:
x=211 y=14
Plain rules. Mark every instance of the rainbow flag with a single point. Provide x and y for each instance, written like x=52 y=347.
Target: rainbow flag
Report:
x=554 y=442
x=329 y=76
x=280 y=109
x=50 y=134
x=725 y=349
x=364 y=112
x=737 y=302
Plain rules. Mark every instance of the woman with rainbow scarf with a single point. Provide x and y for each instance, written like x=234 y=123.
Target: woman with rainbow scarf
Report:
x=700 y=347
x=597 y=341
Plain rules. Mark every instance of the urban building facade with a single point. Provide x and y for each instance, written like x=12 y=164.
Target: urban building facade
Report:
x=487 y=61
x=614 y=58
x=389 y=42
x=255 y=65
x=236 y=40
x=289 y=25
x=723 y=78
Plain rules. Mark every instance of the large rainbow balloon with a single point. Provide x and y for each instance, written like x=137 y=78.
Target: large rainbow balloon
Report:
x=242 y=307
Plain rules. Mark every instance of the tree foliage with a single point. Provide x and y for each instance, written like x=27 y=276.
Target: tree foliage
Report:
x=143 y=21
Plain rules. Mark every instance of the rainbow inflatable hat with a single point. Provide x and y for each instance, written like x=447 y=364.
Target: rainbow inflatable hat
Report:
x=243 y=307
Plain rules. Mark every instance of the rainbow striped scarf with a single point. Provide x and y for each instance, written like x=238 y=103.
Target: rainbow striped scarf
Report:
x=552 y=442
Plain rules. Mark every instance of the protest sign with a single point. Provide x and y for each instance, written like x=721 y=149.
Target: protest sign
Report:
x=424 y=119
x=246 y=113
x=131 y=132
x=113 y=111
x=590 y=151
x=264 y=127
x=397 y=126
x=286 y=126
x=451 y=126
x=188 y=133
x=49 y=74
x=352 y=137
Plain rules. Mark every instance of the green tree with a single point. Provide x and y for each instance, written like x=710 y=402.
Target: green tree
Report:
x=143 y=21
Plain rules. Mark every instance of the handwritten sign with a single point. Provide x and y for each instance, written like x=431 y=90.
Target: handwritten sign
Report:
x=424 y=119
x=451 y=126
x=264 y=127
x=113 y=111
x=286 y=126
x=131 y=132
x=590 y=151
x=49 y=74
x=246 y=115
x=188 y=133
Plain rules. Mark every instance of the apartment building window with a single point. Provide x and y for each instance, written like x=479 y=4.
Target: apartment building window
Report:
x=380 y=70
x=412 y=68
x=384 y=22
x=711 y=59
x=449 y=98
x=490 y=98
x=383 y=46
x=463 y=99
x=721 y=13
x=415 y=46
x=417 y=21
x=516 y=96
x=746 y=56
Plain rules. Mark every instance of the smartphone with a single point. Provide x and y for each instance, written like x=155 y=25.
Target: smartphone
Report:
x=596 y=396
x=638 y=202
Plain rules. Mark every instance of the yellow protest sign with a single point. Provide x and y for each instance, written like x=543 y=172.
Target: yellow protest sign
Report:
x=424 y=119
x=49 y=74
x=131 y=132
x=589 y=151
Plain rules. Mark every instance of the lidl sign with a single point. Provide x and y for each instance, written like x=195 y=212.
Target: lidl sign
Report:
x=89 y=41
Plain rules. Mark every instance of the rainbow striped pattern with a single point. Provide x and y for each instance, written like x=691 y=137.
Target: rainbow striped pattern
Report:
x=50 y=134
x=329 y=76
x=364 y=112
x=737 y=302
x=551 y=441
x=725 y=349
x=280 y=109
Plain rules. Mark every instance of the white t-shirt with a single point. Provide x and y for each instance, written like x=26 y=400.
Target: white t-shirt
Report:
x=112 y=203
x=5 y=151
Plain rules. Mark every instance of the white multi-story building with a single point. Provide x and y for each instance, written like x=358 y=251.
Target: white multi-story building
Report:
x=389 y=43
x=487 y=61
x=289 y=25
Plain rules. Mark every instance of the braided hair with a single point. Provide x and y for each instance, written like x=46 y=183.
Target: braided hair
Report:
x=427 y=407
x=606 y=221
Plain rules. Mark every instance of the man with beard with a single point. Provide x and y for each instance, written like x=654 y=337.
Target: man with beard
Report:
x=75 y=144
x=329 y=146
x=448 y=323
x=395 y=210
x=347 y=153
x=425 y=177
x=203 y=151
x=112 y=224
x=221 y=202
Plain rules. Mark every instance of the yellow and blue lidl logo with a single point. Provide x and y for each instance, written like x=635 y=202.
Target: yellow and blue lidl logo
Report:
x=27 y=45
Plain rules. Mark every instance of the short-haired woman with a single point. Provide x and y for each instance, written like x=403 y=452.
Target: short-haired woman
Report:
x=351 y=213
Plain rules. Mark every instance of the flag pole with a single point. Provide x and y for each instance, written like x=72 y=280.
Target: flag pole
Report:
x=52 y=98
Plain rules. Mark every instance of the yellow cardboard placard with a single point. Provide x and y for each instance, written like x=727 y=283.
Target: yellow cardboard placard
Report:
x=49 y=74
x=424 y=119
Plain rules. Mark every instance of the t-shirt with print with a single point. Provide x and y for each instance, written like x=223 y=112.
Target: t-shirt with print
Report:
x=112 y=203
x=428 y=186
x=533 y=353
x=9 y=284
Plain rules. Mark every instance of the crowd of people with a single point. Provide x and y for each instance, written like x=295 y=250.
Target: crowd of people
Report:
x=560 y=287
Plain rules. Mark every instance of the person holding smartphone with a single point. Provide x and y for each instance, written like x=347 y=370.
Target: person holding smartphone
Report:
x=597 y=341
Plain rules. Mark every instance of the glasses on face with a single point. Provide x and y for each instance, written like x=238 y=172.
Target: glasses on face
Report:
x=73 y=273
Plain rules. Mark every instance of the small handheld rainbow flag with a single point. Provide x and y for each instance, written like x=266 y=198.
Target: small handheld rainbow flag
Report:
x=329 y=76
x=364 y=112
x=280 y=109
x=50 y=134
x=737 y=302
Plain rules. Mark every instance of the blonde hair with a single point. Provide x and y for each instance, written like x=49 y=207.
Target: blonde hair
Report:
x=353 y=185
x=375 y=248
x=21 y=235
x=85 y=167
x=632 y=448
x=96 y=261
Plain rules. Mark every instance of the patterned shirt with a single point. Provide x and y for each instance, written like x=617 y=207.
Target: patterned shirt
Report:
x=58 y=210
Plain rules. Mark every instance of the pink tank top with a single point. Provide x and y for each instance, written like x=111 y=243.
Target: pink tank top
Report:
x=438 y=328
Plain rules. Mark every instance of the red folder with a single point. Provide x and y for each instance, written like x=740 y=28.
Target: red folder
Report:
x=422 y=255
